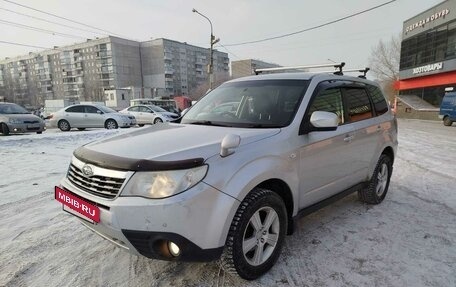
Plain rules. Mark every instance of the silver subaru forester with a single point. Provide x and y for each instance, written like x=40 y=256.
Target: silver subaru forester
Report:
x=229 y=184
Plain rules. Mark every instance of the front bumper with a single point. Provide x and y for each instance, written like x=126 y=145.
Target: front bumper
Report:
x=26 y=128
x=197 y=220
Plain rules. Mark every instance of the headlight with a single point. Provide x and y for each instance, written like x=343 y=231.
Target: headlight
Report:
x=15 y=121
x=161 y=184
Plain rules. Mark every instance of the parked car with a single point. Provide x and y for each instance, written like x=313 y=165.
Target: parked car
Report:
x=230 y=185
x=448 y=109
x=16 y=119
x=90 y=116
x=149 y=114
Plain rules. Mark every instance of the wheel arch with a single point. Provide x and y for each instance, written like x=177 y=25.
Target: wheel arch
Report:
x=283 y=190
x=110 y=119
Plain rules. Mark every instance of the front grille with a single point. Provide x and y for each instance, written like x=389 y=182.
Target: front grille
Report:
x=31 y=122
x=107 y=187
x=33 y=129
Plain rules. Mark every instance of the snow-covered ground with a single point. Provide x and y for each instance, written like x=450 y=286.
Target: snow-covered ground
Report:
x=408 y=240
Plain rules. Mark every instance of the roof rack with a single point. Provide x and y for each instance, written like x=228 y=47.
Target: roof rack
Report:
x=337 y=67
x=363 y=71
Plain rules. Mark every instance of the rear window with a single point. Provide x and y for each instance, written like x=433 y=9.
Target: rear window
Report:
x=358 y=104
x=75 y=109
x=378 y=100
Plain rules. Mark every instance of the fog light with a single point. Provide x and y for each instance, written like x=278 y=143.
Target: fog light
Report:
x=173 y=249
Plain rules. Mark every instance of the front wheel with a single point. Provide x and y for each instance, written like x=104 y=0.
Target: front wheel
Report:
x=158 y=120
x=447 y=122
x=377 y=187
x=256 y=235
x=111 y=124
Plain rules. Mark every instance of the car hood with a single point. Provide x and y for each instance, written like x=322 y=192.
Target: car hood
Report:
x=22 y=117
x=173 y=142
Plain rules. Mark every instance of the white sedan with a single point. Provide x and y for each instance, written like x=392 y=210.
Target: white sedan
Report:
x=90 y=116
x=149 y=114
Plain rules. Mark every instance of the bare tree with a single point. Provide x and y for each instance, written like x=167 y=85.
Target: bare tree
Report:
x=201 y=89
x=384 y=63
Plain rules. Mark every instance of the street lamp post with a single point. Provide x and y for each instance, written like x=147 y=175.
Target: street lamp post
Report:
x=213 y=41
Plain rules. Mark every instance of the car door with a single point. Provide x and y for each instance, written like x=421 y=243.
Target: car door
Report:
x=147 y=114
x=134 y=111
x=74 y=115
x=325 y=158
x=94 y=117
x=366 y=130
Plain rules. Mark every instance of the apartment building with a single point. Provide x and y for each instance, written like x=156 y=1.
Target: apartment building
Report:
x=83 y=71
x=243 y=68
x=175 y=68
x=77 y=72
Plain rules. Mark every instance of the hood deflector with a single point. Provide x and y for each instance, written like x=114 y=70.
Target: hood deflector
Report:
x=130 y=164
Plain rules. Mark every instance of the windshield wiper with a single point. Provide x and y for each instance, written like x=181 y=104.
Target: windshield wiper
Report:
x=208 y=123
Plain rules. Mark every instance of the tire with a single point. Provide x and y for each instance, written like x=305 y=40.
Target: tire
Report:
x=140 y=125
x=81 y=129
x=158 y=120
x=4 y=129
x=64 y=125
x=39 y=133
x=447 y=122
x=260 y=204
x=377 y=188
x=111 y=124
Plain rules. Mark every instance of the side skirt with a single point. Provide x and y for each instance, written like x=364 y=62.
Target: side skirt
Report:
x=325 y=202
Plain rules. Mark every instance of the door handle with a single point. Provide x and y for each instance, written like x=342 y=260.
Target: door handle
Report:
x=379 y=128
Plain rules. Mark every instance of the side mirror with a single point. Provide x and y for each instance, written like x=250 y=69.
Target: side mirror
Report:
x=229 y=143
x=325 y=120
x=99 y=112
x=319 y=122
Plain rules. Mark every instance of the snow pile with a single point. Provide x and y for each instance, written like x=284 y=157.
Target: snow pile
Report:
x=408 y=240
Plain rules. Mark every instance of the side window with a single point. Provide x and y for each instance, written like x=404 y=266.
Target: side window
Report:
x=75 y=109
x=378 y=99
x=329 y=100
x=133 y=109
x=91 y=110
x=358 y=104
x=144 y=110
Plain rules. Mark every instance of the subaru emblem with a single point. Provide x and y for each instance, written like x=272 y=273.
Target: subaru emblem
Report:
x=87 y=170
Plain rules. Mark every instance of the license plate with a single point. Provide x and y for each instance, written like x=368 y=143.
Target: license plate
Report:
x=77 y=206
x=33 y=126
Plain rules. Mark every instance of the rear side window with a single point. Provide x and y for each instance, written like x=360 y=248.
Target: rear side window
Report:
x=133 y=109
x=358 y=104
x=91 y=110
x=378 y=100
x=75 y=109
x=329 y=100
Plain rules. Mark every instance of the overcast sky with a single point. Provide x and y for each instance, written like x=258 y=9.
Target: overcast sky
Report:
x=234 y=21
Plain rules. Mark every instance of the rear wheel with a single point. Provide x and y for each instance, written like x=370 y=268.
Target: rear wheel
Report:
x=111 y=124
x=141 y=125
x=39 y=133
x=158 y=120
x=447 y=122
x=256 y=235
x=64 y=125
x=377 y=188
x=4 y=129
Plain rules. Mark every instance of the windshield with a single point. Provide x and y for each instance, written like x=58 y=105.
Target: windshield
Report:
x=157 y=109
x=255 y=104
x=106 y=109
x=12 y=109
